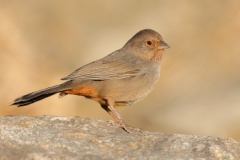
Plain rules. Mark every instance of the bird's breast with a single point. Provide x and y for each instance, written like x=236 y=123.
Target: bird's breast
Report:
x=130 y=90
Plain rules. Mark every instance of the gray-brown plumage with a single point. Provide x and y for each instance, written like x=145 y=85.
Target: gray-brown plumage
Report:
x=121 y=78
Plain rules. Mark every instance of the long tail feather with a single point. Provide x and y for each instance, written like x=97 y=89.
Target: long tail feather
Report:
x=36 y=96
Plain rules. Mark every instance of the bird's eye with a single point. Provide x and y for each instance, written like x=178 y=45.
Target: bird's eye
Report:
x=149 y=43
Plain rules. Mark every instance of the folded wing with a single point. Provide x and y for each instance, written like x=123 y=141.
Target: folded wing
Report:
x=104 y=70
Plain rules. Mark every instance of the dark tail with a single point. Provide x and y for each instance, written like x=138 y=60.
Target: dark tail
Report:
x=36 y=96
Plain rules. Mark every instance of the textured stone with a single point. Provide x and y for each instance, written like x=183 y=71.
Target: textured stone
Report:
x=49 y=137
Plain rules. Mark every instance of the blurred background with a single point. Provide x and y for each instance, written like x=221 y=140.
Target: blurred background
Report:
x=199 y=89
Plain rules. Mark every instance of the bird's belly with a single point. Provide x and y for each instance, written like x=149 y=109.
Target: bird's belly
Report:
x=130 y=90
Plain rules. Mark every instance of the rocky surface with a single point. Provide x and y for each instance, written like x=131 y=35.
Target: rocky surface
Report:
x=48 y=137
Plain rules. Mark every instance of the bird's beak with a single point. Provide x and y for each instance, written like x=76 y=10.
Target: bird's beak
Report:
x=163 y=45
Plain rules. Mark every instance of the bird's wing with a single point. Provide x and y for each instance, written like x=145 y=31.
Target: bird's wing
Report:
x=104 y=69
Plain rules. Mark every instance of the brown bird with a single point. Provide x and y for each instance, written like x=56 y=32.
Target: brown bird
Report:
x=119 y=79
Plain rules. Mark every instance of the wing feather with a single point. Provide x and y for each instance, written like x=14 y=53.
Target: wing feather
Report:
x=105 y=69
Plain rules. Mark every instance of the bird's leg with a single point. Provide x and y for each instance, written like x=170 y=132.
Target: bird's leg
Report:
x=115 y=115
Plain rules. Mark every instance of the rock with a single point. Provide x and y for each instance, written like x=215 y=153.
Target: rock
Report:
x=49 y=137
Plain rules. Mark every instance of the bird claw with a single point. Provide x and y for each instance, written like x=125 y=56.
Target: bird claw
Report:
x=131 y=130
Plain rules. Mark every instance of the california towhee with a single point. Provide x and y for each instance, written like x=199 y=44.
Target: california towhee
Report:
x=119 y=79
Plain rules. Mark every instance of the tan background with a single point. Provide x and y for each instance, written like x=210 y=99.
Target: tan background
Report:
x=199 y=90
